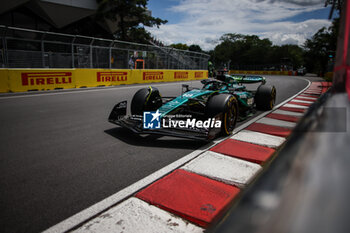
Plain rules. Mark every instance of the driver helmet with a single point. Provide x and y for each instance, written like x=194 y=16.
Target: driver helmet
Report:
x=221 y=74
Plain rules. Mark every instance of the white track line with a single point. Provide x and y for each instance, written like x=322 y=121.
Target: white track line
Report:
x=116 y=198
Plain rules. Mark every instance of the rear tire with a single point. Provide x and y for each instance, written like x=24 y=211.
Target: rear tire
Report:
x=227 y=105
x=265 y=97
x=146 y=99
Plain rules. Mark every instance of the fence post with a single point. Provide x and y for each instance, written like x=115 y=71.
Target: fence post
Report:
x=110 y=54
x=4 y=42
x=73 y=52
x=168 y=59
x=91 y=63
x=43 y=51
x=110 y=57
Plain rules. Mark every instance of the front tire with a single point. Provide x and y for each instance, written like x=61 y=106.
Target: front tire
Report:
x=146 y=99
x=227 y=105
x=265 y=97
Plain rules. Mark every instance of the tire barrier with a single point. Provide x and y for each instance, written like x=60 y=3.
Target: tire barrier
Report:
x=19 y=80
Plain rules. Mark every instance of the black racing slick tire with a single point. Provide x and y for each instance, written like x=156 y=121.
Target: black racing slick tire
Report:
x=146 y=99
x=227 y=105
x=265 y=97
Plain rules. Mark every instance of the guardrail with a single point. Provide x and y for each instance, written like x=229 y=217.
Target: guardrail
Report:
x=19 y=80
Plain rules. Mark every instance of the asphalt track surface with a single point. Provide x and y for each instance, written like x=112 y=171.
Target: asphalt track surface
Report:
x=59 y=155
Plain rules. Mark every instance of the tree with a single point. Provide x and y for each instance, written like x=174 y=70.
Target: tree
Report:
x=180 y=46
x=322 y=44
x=336 y=5
x=229 y=49
x=128 y=15
x=290 y=55
x=139 y=35
x=242 y=50
x=195 y=48
x=251 y=52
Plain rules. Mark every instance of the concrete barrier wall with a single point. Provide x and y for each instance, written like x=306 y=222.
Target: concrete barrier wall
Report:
x=19 y=80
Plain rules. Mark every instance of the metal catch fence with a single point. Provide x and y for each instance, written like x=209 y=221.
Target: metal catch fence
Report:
x=25 y=48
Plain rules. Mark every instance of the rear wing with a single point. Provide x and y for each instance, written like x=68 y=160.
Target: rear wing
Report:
x=248 y=78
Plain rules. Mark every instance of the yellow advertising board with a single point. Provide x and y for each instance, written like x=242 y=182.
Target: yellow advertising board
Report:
x=100 y=77
x=18 y=80
x=149 y=76
x=40 y=79
x=4 y=84
x=199 y=74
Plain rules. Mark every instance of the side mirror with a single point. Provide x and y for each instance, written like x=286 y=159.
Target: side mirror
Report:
x=185 y=87
x=204 y=81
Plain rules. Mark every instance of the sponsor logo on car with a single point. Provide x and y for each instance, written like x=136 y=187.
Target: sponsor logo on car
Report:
x=112 y=76
x=153 y=75
x=46 y=78
x=188 y=95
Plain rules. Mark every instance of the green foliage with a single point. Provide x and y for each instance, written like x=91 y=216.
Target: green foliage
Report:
x=287 y=54
x=251 y=52
x=320 y=47
x=180 y=46
x=139 y=35
x=129 y=15
x=195 y=48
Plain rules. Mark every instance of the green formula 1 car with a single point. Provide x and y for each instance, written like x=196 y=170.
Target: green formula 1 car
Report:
x=202 y=114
